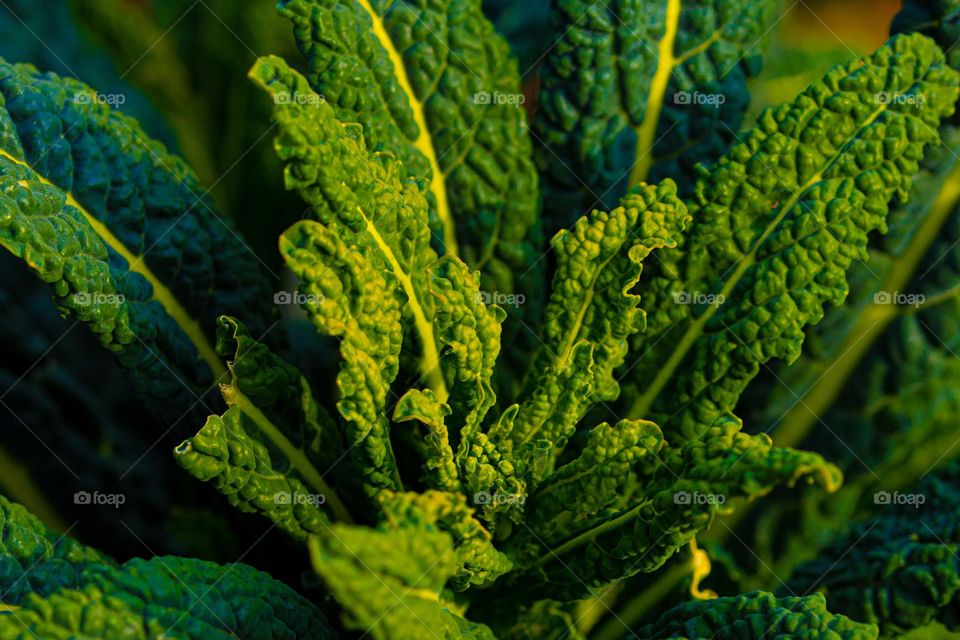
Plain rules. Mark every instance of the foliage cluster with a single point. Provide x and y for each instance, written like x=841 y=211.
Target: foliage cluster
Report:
x=454 y=428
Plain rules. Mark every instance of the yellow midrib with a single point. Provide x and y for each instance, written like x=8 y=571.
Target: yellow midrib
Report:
x=643 y=158
x=592 y=534
x=561 y=361
x=298 y=459
x=563 y=358
x=644 y=402
x=136 y=264
x=797 y=422
x=424 y=143
x=430 y=361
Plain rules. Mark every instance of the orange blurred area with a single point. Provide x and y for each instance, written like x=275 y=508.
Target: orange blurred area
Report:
x=859 y=25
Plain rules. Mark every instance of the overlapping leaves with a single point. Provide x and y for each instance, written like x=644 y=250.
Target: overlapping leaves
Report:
x=530 y=497
x=632 y=86
x=778 y=222
x=122 y=233
x=54 y=587
x=431 y=83
x=899 y=568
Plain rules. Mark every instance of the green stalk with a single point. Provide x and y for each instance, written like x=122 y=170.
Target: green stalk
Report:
x=799 y=421
x=801 y=418
x=642 y=405
x=616 y=627
x=234 y=397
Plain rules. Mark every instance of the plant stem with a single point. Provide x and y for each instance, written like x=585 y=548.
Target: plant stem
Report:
x=618 y=625
x=297 y=457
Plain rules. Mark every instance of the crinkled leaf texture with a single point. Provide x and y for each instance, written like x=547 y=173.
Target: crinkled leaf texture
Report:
x=362 y=260
x=478 y=562
x=917 y=258
x=664 y=500
x=630 y=85
x=368 y=233
x=117 y=227
x=756 y=615
x=368 y=236
x=880 y=371
x=36 y=559
x=55 y=588
x=899 y=568
x=935 y=18
x=593 y=310
x=390 y=581
x=434 y=85
x=271 y=450
x=371 y=279
x=777 y=224
x=591 y=313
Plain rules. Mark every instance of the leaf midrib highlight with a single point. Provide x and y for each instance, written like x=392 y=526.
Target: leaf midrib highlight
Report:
x=136 y=264
x=430 y=361
x=644 y=403
x=424 y=143
x=666 y=62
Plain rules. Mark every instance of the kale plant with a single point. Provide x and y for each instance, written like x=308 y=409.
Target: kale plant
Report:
x=530 y=352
